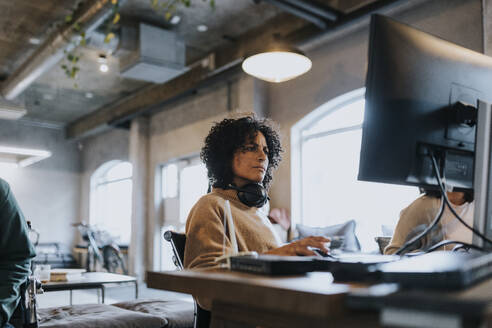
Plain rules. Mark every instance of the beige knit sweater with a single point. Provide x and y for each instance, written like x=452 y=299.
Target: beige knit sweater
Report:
x=205 y=229
x=421 y=213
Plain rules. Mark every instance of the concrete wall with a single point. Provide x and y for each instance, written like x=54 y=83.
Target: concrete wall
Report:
x=339 y=66
x=47 y=191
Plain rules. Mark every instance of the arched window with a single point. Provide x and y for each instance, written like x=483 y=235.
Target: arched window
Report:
x=183 y=182
x=325 y=156
x=111 y=199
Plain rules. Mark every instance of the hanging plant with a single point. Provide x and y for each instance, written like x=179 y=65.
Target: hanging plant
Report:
x=70 y=63
x=71 y=59
x=111 y=23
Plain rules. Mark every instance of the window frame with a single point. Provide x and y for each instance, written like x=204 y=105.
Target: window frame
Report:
x=297 y=140
x=97 y=179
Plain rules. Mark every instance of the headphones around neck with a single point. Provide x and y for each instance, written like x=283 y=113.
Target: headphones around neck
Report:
x=252 y=194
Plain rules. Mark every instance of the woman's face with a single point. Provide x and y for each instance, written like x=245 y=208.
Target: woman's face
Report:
x=250 y=162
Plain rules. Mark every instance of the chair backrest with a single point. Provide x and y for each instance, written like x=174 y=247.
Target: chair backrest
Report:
x=178 y=242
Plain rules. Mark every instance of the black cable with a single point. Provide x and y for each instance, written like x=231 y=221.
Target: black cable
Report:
x=450 y=242
x=436 y=220
x=443 y=191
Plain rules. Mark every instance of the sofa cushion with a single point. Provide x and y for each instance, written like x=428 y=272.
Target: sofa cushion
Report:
x=345 y=230
x=97 y=315
x=177 y=313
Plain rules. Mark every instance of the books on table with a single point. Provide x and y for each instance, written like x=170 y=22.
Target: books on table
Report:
x=66 y=274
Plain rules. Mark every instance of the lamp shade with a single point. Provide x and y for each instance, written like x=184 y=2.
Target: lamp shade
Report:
x=277 y=66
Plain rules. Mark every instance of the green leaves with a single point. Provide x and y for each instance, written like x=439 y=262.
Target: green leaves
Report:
x=70 y=63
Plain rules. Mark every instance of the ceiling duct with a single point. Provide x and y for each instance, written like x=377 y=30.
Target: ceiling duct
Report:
x=10 y=110
x=156 y=55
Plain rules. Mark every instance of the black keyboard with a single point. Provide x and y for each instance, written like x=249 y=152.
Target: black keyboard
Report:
x=345 y=266
x=273 y=265
x=354 y=266
x=440 y=269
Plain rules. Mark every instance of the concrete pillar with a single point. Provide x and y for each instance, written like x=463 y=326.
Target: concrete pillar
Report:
x=251 y=96
x=139 y=155
x=260 y=100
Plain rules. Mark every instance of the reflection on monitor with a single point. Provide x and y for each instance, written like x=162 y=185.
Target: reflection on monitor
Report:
x=421 y=96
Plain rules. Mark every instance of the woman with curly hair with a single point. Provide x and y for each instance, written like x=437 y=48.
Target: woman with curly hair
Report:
x=240 y=155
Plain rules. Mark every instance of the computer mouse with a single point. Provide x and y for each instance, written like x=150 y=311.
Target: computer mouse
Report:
x=322 y=253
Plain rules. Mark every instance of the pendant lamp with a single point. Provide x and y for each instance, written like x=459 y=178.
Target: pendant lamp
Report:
x=278 y=64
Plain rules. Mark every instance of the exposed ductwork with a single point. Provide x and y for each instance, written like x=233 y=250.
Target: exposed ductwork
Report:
x=52 y=50
x=151 y=54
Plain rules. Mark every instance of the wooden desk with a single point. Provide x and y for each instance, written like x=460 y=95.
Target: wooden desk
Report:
x=91 y=280
x=310 y=300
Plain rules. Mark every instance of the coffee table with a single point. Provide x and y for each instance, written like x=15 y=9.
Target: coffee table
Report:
x=91 y=280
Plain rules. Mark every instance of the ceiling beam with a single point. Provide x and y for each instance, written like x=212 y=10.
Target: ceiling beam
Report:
x=309 y=37
x=64 y=38
x=139 y=101
x=222 y=59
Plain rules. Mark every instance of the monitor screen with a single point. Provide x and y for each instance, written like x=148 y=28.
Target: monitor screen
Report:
x=421 y=96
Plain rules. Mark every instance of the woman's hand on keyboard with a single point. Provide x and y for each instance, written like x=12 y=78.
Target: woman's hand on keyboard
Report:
x=303 y=247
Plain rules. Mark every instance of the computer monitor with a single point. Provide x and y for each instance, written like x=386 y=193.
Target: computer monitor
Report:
x=415 y=83
x=422 y=95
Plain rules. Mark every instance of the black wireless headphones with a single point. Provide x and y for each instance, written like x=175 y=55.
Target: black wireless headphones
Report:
x=252 y=194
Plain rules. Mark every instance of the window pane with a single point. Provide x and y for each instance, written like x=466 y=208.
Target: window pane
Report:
x=170 y=181
x=193 y=184
x=331 y=193
x=114 y=209
x=351 y=115
x=119 y=171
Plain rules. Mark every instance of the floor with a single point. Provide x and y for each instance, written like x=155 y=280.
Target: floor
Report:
x=115 y=293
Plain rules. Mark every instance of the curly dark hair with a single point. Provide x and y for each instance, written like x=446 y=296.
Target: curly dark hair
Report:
x=230 y=135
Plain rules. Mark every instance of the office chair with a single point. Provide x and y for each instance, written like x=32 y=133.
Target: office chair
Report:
x=178 y=243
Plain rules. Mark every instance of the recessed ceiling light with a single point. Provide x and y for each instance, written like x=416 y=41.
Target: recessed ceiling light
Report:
x=202 y=28
x=175 y=20
x=102 y=59
x=48 y=96
x=35 y=41
x=103 y=68
x=89 y=95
